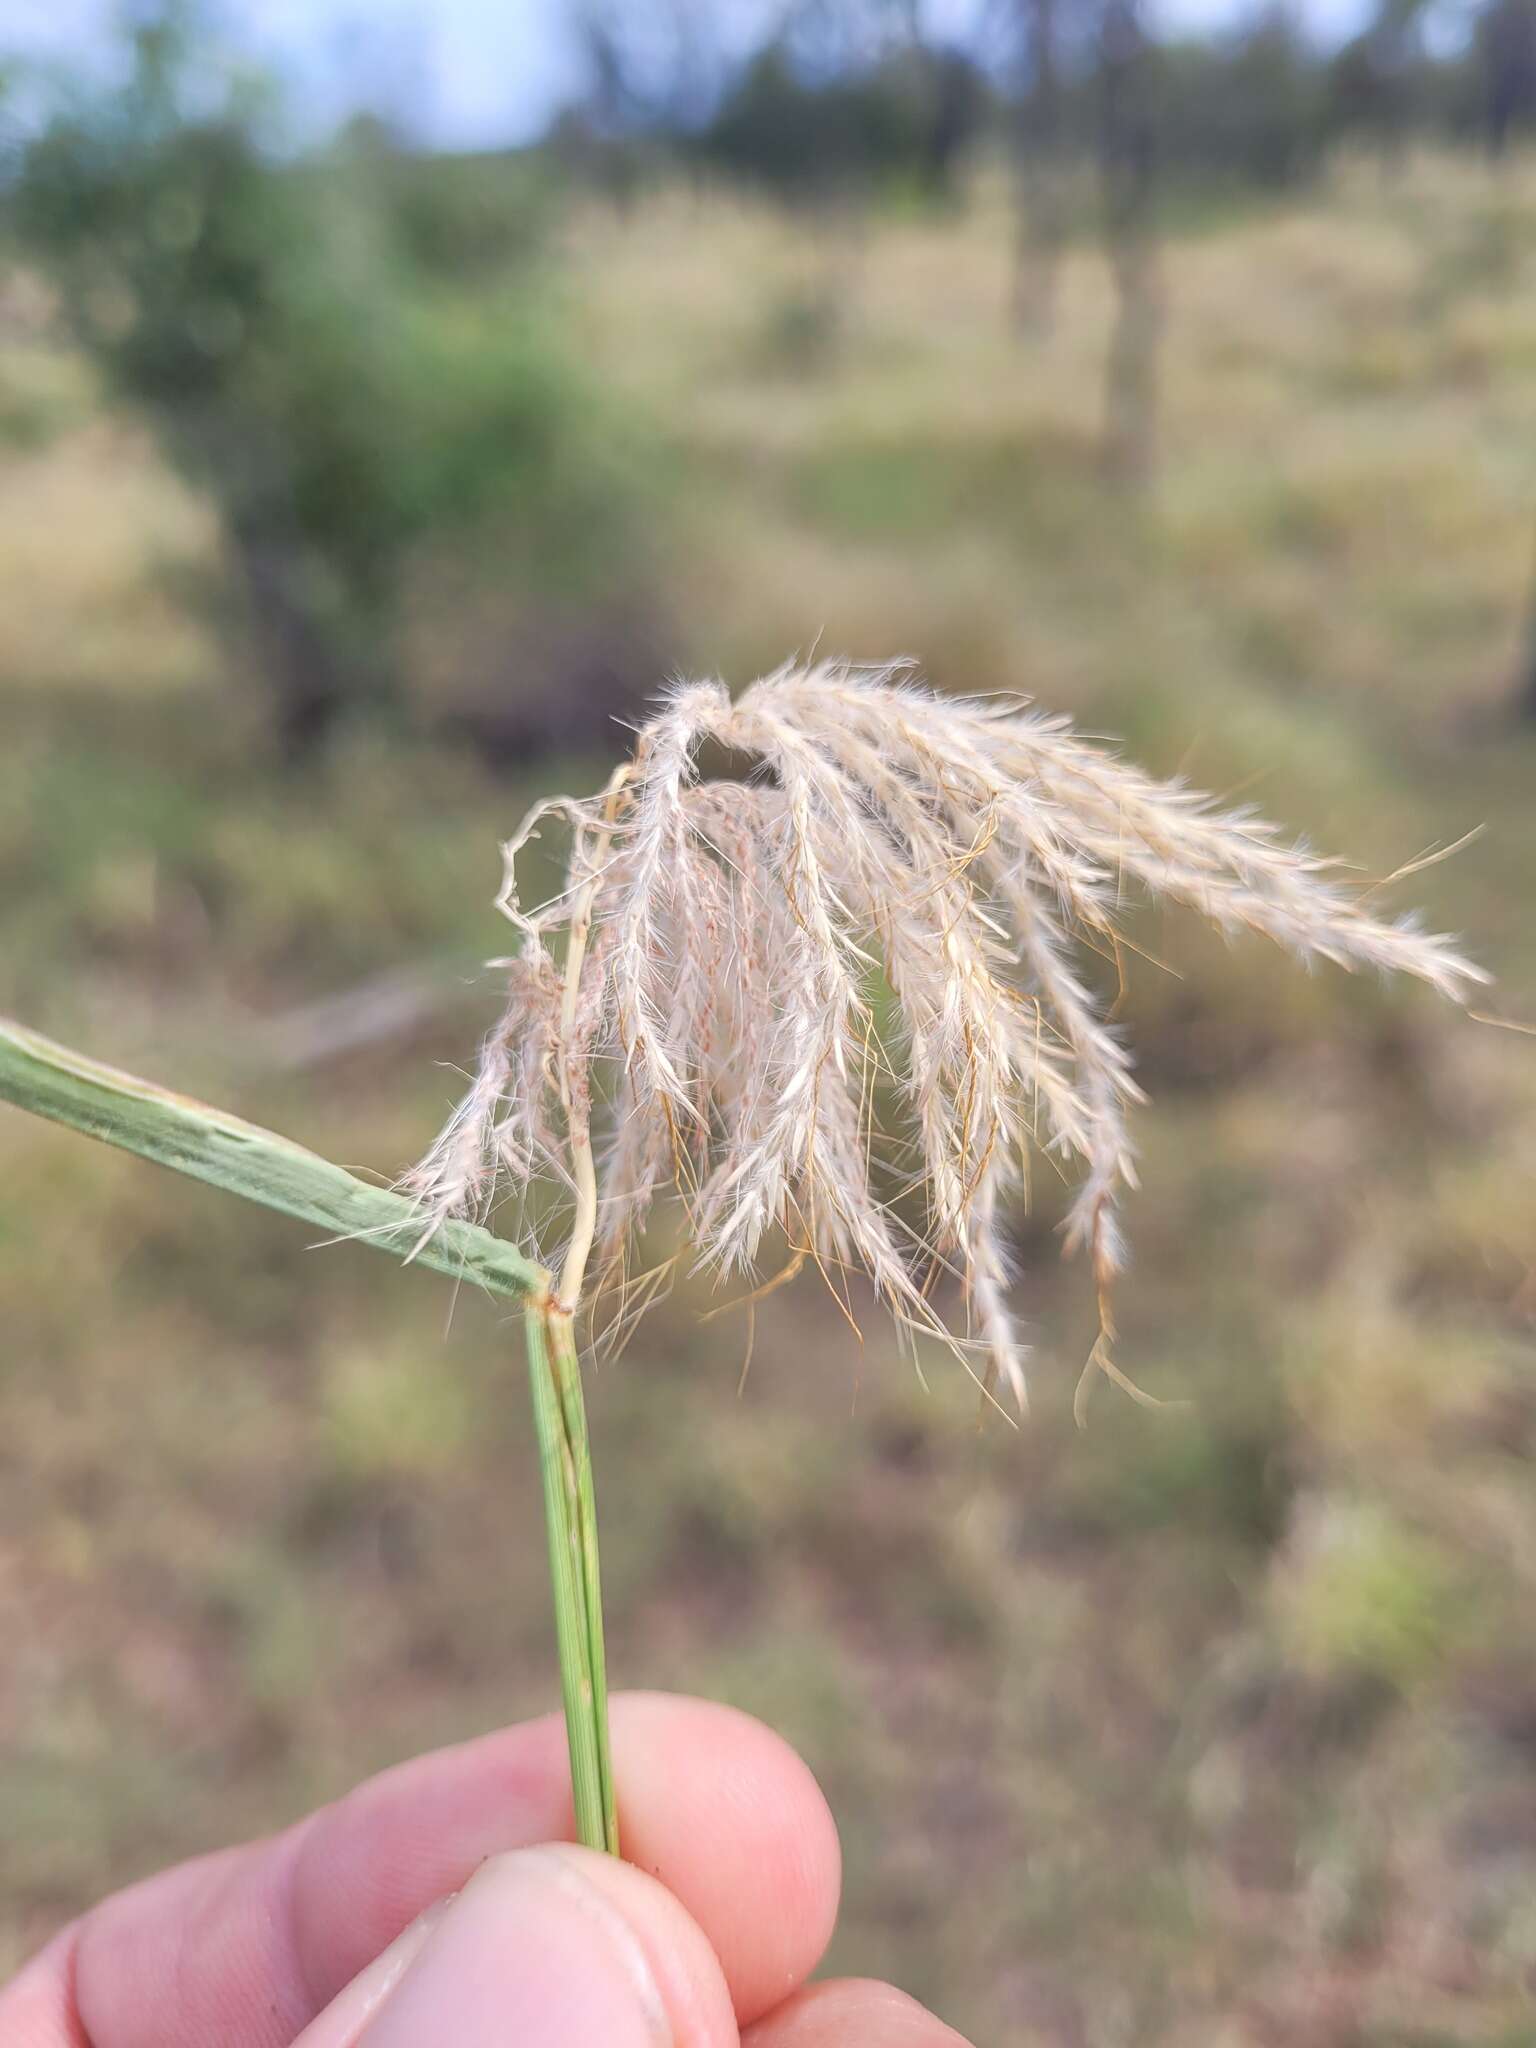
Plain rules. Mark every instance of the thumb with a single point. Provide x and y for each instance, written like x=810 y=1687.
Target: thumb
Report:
x=547 y=1947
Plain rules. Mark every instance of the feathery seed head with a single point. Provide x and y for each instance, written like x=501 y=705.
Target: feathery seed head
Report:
x=843 y=1001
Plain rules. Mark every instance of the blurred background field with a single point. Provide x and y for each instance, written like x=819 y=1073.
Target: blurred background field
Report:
x=352 y=494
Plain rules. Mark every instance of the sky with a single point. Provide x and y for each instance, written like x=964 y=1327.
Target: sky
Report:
x=464 y=73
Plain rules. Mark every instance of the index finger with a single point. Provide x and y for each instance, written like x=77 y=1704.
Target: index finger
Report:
x=247 y=1946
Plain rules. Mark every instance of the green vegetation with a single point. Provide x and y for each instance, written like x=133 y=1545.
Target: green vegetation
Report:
x=303 y=344
x=1210 y=1727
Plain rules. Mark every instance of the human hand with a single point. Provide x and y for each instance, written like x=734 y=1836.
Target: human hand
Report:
x=438 y=1906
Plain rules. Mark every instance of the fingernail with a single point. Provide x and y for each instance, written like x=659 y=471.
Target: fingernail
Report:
x=531 y=1951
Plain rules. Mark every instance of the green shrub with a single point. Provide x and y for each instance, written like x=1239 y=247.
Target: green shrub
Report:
x=299 y=334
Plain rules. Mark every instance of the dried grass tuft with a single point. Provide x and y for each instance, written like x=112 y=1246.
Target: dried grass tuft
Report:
x=843 y=1001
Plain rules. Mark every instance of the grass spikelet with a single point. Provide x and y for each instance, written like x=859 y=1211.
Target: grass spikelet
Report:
x=848 y=992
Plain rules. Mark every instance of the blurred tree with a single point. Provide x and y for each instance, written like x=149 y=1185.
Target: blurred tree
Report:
x=903 y=122
x=1247 y=109
x=1506 y=51
x=954 y=100
x=1359 y=91
x=459 y=219
x=833 y=111
x=167 y=237
x=284 y=329
x=803 y=141
x=1378 y=83
x=652 y=70
x=1127 y=165
x=1041 y=152
x=595 y=136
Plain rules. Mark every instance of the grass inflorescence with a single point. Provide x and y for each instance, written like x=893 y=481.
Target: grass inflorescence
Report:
x=697 y=1012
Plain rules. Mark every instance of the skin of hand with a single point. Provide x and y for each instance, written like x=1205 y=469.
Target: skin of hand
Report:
x=442 y=1902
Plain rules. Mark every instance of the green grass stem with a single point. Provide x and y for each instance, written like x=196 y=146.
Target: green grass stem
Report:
x=569 y=1513
x=210 y=1145
x=567 y=1371
x=190 y=1137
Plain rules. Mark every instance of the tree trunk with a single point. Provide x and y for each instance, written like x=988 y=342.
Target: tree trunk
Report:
x=1127 y=164
x=1041 y=169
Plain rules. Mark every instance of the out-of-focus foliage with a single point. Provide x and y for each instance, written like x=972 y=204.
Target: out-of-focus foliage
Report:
x=902 y=125
x=1255 y=105
x=300 y=335
x=457 y=219
x=1506 y=48
x=1248 y=110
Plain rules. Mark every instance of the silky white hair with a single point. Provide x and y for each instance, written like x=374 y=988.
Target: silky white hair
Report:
x=842 y=1000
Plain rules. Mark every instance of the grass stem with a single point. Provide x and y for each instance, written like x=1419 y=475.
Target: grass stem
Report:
x=210 y=1145
x=567 y=1371
x=566 y=1467
x=190 y=1137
